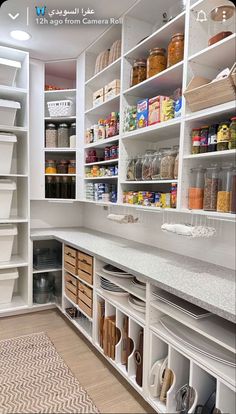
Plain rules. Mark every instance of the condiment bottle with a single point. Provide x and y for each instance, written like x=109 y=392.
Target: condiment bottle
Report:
x=223 y=196
x=204 y=139
x=195 y=192
x=212 y=138
x=232 y=132
x=196 y=140
x=211 y=187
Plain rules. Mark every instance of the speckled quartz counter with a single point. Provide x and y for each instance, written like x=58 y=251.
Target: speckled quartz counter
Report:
x=206 y=285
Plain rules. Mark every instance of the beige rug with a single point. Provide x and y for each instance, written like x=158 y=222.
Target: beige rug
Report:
x=35 y=379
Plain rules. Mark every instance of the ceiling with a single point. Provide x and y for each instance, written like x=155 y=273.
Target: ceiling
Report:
x=50 y=42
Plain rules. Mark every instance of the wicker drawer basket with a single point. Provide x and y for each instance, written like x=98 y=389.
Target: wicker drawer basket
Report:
x=201 y=93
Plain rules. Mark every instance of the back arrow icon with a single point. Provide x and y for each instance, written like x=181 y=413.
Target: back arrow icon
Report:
x=13 y=17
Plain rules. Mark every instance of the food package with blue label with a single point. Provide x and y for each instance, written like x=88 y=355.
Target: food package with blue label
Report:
x=142 y=113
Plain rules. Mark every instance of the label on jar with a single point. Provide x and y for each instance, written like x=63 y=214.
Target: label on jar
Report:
x=212 y=139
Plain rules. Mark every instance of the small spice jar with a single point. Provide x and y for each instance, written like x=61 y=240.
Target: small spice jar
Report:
x=50 y=167
x=223 y=196
x=139 y=71
x=232 y=133
x=167 y=164
x=175 y=49
x=63 y=136
x=51 y=136
x=62 y=167
x=211 y=187
x=156 y=61
x=204 y=139
x=196 y=138
x=196 y=191
x=223 y=136
x=72 y=167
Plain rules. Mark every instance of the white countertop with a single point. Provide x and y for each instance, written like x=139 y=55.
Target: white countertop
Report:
x=209 y=286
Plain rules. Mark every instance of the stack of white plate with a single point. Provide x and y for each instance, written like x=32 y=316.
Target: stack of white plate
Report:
x=112 y=288
x=137 y=303
x=138 y=283
x=114 y=271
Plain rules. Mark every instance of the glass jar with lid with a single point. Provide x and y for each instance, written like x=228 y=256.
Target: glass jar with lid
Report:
x=62 y=167
x=63 y=136
x=211 y=186
x=130 y=172
x=223 y=136
x=51 y=136
x=204 y=139
x=175 y=49
x=50 y=187
x=72 y=135
x=196 y=190
x=232 y=133
x=147 y=165
x=156 y=61
x=50 y=167
x=167 y=164
x=156 y=166
x=139 y=71
x=224 y=189
x=138 y=168
x=72 y=167
x=196 y=138
x=221 y=22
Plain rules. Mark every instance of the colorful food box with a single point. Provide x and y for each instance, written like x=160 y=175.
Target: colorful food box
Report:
x=154 y=110
x=142 y=113
x=167 y=109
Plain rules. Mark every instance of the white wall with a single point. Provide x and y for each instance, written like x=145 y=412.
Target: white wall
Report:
x=46 y=214
x=218 y=250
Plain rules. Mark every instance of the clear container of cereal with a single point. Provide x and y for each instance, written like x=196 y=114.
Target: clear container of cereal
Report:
x=224 y=190
x=130 y=172
x=167 y=164
x=196 y=190
x=156 y=166
x=138 y=168
x=147 y=165
x=211 y=187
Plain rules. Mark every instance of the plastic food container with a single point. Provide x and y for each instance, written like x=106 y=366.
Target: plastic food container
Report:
x=7 y=233
x=6 y=193
x=6 y=150
x=8 y=112
x=8 y=71
x=7 y=281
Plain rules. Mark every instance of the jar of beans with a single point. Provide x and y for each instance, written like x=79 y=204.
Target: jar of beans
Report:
x=51 y=136
x=211 y=187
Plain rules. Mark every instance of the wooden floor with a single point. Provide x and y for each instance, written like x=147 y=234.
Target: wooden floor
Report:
x=107 y=388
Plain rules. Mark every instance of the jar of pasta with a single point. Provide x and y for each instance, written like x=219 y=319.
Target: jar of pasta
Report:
x=196 y=190
x=139 y=71
x=175 y=49
x=156 y=61
x=167 y=164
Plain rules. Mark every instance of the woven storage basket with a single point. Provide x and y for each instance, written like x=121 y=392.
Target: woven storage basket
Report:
x=201 y=93
x=102 y=61
x=60 y=108
x=115 y=51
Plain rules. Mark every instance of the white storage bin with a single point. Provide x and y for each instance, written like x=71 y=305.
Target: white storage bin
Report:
x=6 y=194
x=8 y=112
x=7 y=234
x=61 y=108
x=8 y=71
x=7 y=281
x=6 y=150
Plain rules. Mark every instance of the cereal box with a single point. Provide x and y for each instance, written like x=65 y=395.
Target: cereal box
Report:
x=154 y=110
x=142 y=113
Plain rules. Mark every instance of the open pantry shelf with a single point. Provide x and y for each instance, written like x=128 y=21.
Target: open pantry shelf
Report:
x=81 y=326
x=60 y=150
x=60 y=118
x=97 y=81
x=111 y=105
x=17 y=304
x=149 y=182
x=47 y=270
x=77 y=307
x=217 y=155
x=102 y=143
x=10 y=92
x=157 y=132
x=111 y=161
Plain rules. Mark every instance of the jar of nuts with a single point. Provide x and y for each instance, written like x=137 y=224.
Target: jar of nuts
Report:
x=211 y=187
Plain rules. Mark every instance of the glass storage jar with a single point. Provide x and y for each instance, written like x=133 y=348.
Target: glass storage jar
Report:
x=212 y=138
x=211 y=187
x=167 y=164
x=139 y=71
x=156 y=61
x=73 y=182
x=51 y=136
x=72 y=167
x=233 y=192
x=50 y=190
x=72 y=135
x=130 y=172
x=156 y=166
x=195 y=192
x=147 y=165
x=232 y=133
x=221 y=22
x=65 y=190
x=50 y=167
x=62 y=167
x=176 y=166
x=196 y=138
x=224 y=190
x=138 y=168
x=175 y=49
x=223 y=136
x=57 y=187
x=63 y=136
x=204 y=139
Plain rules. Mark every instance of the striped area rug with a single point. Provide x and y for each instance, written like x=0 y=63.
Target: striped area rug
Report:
x=35 y=379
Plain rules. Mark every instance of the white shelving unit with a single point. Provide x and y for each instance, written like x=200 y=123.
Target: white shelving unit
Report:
x=20 y=207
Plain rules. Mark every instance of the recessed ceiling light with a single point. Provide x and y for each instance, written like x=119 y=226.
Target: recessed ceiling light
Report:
x=20 y=35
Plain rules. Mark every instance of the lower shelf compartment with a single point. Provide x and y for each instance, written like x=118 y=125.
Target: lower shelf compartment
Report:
x=17 y=304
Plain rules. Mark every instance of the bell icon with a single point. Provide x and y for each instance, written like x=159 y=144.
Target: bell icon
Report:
x=201 y=16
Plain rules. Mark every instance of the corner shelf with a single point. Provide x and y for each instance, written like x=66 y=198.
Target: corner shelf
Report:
x=111 y=105
x=102 y=143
